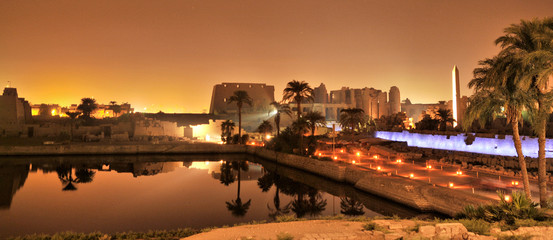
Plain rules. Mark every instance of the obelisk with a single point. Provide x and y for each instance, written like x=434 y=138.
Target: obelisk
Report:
x=456 y=95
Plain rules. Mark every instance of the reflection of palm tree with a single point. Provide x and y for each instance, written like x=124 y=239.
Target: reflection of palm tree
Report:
x=265 y=182
x=351 y=207
x=312 y=206
x=237 y=207
x=227 y=176
x=65 y=174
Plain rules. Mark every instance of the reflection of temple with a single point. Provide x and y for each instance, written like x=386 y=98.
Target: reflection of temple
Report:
x=255 y=171
x=145 y=168
x=12 y=179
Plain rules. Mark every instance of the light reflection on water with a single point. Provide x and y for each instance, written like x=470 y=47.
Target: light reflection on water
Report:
x=130 y=193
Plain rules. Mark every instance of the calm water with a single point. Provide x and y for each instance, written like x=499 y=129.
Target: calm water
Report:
x=139 y=193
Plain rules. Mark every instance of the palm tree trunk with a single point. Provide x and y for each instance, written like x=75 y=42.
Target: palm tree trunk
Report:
x=521 y=160
x=313 y=130
x=542 y=164
x=239 y=126
x=300 y=130
x=277 y=124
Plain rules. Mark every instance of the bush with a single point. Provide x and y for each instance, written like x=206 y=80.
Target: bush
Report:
x=519 y=207
x=369 y=226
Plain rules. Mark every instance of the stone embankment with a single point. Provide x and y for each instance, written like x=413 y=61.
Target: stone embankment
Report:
x=376 y=229
x=416 y=194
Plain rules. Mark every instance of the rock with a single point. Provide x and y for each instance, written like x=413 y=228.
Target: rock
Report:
x=393 y=236
x=395 y=226
x=448 y=230
x=427 y=231
x=495 y=231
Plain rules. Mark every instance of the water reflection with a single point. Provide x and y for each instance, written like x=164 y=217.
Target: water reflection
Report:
x=138 y=193
x=237 y=207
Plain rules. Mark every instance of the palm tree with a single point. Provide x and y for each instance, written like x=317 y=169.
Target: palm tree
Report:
x=237 y=207
x=298 y=92
x=314 y=119
x=280 y=109
x=87 y=106
x=444 y=117
x=227 y=127
x=351 y=117
x=115 y=108
x=532 y=41
x=72 y=116
x=265 y=127
x=241 y=98
x=497 y=90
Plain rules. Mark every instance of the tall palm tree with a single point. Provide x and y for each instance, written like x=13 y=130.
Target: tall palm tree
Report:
x=87 y=106
x=314 y=119
x=237 y=207
x=240 y=98
x=532 y=41
x=444 y=116
x=497 y=91
x=351 y=117
x=72 y=116
x=227 y=127
x=280 y=109
x=298 y=92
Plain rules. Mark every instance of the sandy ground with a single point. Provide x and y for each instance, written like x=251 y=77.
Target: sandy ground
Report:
x=316 y=229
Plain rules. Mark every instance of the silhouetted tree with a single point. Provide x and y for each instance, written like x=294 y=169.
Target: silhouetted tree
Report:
x=87 y=106
x=298 y=92
x=351 y=117
x=73 y=116
x=240 y=98
x=280 y=109
x=314 y=119
x=444 y=116
x=227 y=127
x=265 y=127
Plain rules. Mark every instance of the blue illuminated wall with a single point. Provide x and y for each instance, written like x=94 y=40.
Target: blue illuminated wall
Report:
x=493 y=146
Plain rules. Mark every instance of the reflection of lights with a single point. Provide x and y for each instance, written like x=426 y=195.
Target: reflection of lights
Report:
x=507 y=198
x=411 y=175
x=451 y=185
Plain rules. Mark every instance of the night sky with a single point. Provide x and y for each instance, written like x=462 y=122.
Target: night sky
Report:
x=167 y=55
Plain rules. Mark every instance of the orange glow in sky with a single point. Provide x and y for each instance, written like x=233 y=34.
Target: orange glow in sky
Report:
x=167 y=55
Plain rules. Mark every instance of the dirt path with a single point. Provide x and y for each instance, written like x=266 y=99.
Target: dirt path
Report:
x=308 y=230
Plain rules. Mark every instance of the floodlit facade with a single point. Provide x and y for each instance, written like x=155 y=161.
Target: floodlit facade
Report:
x=15 y=112
x=262 y=95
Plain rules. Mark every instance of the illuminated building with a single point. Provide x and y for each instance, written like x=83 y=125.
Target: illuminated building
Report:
x=374 y=102
x=15 y=112
x=262 y=95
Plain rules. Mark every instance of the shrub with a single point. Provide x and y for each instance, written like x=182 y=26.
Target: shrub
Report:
x=285 y=236
x=369 y=226
x=519 y=207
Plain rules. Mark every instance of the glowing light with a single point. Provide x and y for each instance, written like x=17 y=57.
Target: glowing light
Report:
x=451 y=185
x=378 y=168
x=353 y=161
x=342 y=150
x=398 y=161
x=507 y=198
x=429 y=166
x=358 y=154
x=53 y=112
x=206 y=163
x=514 y=183
x=375 y=156
x=411 y=175
x=268 y=137
x=335 y=158
x=207 y=138
x=320 y=154
x=459 y=173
